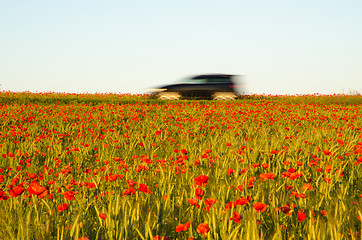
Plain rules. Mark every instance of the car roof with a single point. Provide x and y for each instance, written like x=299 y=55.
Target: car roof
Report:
x=212 y=76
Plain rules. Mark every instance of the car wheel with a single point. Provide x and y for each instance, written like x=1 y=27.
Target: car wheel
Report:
x=224 y=96
x=169 y=96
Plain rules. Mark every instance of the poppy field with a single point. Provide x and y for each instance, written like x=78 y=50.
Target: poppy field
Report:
x=130 y=167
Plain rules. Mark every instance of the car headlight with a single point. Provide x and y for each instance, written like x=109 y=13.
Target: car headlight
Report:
x=157 y=90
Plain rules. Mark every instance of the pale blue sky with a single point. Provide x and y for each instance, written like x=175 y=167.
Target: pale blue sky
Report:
x=280 y=46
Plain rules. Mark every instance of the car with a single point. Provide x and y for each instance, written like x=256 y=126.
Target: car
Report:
x=207 y=86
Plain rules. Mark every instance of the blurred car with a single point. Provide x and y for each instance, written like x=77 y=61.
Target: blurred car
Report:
x=209 y=86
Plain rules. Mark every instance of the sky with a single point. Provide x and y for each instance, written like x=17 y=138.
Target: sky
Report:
x=118 y=46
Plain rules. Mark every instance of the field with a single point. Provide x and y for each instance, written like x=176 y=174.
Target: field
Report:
x=111 y=166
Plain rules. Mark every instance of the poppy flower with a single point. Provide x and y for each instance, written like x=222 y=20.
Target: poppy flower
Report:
x=16 y=191
x=144 y=188
x=203 y=228
x=201 y=180
x=102 y=215
x=199 y=193
x=266 y=176
x=230 y=205
x=242 y=171
x=260 y=207
x=36 y=189
x=3 y=195
x=301 y=216
x=63 y=206
x=69 y=195
x=285 y=208
x=307 y=186
x=183 y=227
x=210 y=201
x=194 y=202
x=157 y=237
x=83 y=238
x=295 y=175
x=230 y=171
x=326 y=152
x=328 y=168
x=241 y=201
x=236 y=217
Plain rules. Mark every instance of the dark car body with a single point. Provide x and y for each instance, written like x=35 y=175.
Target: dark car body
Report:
x=210 y=86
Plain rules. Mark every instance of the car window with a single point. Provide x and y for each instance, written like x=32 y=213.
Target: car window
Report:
x=218 y=80
x=196 y=81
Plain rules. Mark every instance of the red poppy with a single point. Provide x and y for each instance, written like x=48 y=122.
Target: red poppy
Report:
x=328 y=168
x=144 y=188
x=63 y=206
x=36 y=189
x=241 y=201
x=307 y=186
x=199 y=193
x=236 y=217
x=203 y=228
x=230 y=205
x=183 y=227
x=285 y=208
x=230 y=171
x=250 y=182
x=260 y=207
x=243 y=171
x=326 y=152
x=69 y=195
x=157 y=237
x=194 y=202
x=16 y=191
x=102 y=215
x=301 y=216
x=265 y=165
x=83 y=238
x=210 y=201
x=3 y=195
x=266 y=176
x=201 y=180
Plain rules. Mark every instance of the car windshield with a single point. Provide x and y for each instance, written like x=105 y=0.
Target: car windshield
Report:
x=191 y=80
